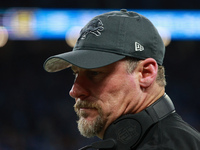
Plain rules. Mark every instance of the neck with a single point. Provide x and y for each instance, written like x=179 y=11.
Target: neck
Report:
x=149 y=97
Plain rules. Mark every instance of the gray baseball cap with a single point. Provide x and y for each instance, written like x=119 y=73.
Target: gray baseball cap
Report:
x=108 y=38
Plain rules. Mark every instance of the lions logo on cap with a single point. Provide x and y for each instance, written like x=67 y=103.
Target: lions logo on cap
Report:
x=94 y=27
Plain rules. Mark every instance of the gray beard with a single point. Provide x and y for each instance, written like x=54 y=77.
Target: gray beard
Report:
x=90 y=128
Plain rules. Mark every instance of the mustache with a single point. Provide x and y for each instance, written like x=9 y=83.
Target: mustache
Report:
x=79 y=104
x=85 y=104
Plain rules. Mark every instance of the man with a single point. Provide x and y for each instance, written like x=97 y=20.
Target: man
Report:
x=119 y=86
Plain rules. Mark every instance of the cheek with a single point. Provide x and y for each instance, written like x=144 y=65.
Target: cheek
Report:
x=115 y=97
x=112 y=90
x=120 y=88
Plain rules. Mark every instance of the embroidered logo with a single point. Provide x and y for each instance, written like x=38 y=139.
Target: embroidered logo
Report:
x=95 y=27
x=138 y=47
x=127 y=134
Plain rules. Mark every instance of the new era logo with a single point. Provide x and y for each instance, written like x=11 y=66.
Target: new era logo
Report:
x=138 y=47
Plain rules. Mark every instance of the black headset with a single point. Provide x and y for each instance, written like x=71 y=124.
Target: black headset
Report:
x=127 y=131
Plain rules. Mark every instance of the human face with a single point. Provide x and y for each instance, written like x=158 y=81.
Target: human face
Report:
x=102 y=95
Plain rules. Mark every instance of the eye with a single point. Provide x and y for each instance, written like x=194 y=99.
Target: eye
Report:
x=94 y=73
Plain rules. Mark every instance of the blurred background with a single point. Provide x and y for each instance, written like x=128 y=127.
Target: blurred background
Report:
x=36 y=112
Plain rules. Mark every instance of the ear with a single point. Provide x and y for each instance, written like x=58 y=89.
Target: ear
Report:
x=148 y=72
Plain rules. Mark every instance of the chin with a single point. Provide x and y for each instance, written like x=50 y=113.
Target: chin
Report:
x=90 y=127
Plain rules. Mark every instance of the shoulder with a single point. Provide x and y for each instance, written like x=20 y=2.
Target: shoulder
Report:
x=175 y=125
x=171 y=133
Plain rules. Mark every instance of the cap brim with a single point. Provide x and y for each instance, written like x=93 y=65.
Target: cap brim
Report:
x=86 y=59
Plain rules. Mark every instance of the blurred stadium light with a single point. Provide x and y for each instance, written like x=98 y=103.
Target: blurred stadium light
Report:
x=39 y=24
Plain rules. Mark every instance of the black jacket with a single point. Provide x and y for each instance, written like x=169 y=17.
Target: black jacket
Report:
x=171 y=133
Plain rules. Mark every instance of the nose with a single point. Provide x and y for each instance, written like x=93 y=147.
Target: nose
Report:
x=79 y=89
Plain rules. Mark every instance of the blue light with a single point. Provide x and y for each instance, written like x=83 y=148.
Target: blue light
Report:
x=55 y=23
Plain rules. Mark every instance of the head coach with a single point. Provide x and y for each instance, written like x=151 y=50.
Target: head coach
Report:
x=119 y=86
